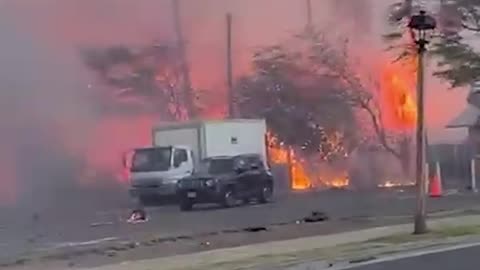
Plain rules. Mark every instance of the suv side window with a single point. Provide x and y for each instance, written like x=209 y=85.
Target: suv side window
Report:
x=179 y=157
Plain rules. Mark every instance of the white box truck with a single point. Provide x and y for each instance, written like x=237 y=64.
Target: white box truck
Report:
x=178 y=148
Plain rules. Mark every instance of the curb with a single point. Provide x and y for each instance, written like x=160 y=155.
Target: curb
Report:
x=222 y=256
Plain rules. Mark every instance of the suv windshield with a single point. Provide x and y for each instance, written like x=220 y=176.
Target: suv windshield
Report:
x=216 y=166
x=151 y=159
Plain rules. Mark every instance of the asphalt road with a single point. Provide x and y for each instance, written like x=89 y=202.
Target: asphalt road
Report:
x=460 y=259
x=81 y=223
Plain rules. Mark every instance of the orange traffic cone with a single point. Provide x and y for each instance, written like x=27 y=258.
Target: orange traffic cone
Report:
x=436 y=184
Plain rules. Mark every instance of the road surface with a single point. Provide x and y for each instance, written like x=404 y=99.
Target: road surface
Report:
x=76 y=224
x=460 y=259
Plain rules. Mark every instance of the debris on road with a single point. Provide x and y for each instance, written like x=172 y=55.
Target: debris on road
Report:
x=205 y=244
x=138 y=216
x=255 y=229
x=15 y=263
x=110 y=253
x=185 y=237
x=230 y=231
x=316 y=216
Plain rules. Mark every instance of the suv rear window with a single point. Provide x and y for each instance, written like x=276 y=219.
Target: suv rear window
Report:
x=216 y=166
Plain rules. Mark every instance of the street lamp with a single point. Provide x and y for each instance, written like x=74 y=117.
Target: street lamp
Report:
x=419 y=26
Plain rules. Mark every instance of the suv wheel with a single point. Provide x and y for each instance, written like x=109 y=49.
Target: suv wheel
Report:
x=186 y=205
x=266 y=194
x=229 y=198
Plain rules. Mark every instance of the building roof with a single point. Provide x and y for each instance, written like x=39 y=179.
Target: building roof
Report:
x=468 y=118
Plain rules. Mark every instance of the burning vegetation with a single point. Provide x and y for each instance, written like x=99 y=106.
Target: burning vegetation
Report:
x=318 y=109
x=321 y=111
x=302 y=177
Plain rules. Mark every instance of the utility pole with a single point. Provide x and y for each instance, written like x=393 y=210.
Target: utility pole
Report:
x=230 y=94
x=188 y=95
x=420 y=216
x=419 y=25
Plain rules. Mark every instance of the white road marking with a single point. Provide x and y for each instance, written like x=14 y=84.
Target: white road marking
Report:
x=406 y=256
x=86 y=243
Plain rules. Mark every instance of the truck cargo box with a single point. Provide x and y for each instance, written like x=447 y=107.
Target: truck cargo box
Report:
x=215 y=138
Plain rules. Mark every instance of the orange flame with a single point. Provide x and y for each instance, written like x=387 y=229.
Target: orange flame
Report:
x=338 y=182
x=280 y=154
x=395 y=183
x=398 y=100
x=301 y=179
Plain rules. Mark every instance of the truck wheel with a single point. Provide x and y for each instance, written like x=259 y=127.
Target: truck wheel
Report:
x=229 y=198
x=266 y=194
x=186 y=205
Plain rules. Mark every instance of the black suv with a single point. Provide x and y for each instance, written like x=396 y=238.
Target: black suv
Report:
x=226 y=180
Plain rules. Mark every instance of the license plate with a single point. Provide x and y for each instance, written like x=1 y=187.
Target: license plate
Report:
x=191 y=194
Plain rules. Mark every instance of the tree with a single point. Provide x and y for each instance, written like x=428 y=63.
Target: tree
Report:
x=288 y=96
x=150 y=76
x=458 y=61
x=308 y=91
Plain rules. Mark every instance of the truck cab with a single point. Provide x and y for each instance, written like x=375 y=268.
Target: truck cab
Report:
x=155 y=171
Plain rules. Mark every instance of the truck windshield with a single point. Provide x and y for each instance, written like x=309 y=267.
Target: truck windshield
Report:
x=216 y=166
x=152 y=159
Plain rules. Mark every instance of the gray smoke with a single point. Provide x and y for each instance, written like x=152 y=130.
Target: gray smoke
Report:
x=41 y=102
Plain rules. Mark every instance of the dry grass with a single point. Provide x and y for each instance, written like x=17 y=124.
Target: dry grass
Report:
x=385 y=245
x=458 y=231
x=445 y=232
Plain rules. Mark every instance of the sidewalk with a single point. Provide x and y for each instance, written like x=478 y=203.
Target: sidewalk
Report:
x=282 y=248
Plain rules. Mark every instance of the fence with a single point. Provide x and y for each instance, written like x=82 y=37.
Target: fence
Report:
x=455 y=163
